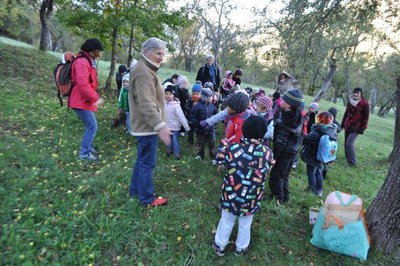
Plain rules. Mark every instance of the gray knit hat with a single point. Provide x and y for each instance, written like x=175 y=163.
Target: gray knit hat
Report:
x=293 y=97
x=238 y=102
x=205 y=93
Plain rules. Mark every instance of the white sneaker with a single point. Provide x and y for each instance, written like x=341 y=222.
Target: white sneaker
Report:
x=198 y=157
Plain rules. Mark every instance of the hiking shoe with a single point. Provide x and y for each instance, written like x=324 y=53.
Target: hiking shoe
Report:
x=241 y=252
x=198 y=157
x=218 y=250
x=319 y=194
x=158 y=202
x=89 y=157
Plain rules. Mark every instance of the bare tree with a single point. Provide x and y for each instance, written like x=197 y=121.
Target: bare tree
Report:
x=45 y=13
x=216 y=29
x=190 y=42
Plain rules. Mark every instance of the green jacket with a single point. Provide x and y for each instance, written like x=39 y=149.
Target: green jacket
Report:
x=123 y=100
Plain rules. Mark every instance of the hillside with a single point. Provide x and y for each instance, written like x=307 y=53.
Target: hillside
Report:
x=59 y=210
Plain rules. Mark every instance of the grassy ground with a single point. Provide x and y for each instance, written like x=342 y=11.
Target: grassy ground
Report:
x=56 y=209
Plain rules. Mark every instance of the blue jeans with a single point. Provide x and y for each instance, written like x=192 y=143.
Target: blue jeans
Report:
x=174 y=146
x=89 y=120
x=315 y=179
x=142 y=176
x=128 y=122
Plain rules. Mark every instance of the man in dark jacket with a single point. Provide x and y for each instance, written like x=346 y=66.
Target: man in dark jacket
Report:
x=287 y=141
x=210 y=72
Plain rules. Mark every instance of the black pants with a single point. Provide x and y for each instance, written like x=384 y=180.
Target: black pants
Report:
x=191 y=134
x=208 y=139
x=279 y=177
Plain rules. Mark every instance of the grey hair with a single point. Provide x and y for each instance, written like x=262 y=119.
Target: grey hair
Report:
x=209 y=56
x=153 y=44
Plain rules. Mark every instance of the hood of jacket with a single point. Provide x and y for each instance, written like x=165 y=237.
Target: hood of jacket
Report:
x=227 y=73
x=330 y=130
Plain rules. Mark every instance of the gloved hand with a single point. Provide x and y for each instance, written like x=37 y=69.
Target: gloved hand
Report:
x=203 y=124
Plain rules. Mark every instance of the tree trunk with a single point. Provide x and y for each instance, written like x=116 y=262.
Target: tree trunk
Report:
x=327 y=82
x=130 y=56
x=46 y=10
x=347 y=75
x=373 y=98
x=385 y=108
x=383 y=215
x=397 y=125
x=188 y=64
x=113 y=58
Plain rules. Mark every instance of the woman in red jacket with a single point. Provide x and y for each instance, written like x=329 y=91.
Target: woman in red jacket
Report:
x=84 y=99
x=355 y=121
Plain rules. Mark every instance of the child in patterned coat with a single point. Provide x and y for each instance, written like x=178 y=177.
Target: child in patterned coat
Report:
x=247 y=163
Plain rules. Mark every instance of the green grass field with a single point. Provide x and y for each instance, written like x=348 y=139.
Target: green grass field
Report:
x=58 y=210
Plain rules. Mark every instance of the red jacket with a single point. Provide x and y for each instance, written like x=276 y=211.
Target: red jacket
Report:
x=84 y=77
x=355 y=119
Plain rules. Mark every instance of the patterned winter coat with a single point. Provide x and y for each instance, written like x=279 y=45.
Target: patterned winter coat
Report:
x=247 y=165
x=355 y=119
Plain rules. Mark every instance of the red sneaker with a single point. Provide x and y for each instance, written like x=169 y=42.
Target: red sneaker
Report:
x=158 y=202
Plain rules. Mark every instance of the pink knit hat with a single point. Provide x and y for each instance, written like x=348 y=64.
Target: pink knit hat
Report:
x=265 y=101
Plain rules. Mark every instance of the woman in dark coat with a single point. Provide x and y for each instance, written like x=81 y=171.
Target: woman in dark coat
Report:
x=355 y=122
x=210 y=72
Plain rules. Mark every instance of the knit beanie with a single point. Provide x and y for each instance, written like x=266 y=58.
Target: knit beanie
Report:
x=314 y=105
x=171 y=89
x=181 y=79
x=324 y=118
x=206 y=93
x=276 y=96
x=196 y=88
x=166 y=84
x=238 y=102
x=209 y=85
x=125 y=77
x=254 y=127
x=91 y=45
x=265 y=101
x=249 y=90
x=333 y=111
x=293 y=97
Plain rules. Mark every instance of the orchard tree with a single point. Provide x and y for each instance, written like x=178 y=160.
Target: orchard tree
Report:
x=215 y=14
x=109 y=19
x=45 y=13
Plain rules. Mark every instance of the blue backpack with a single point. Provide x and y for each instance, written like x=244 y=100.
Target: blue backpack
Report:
x=327 y=149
